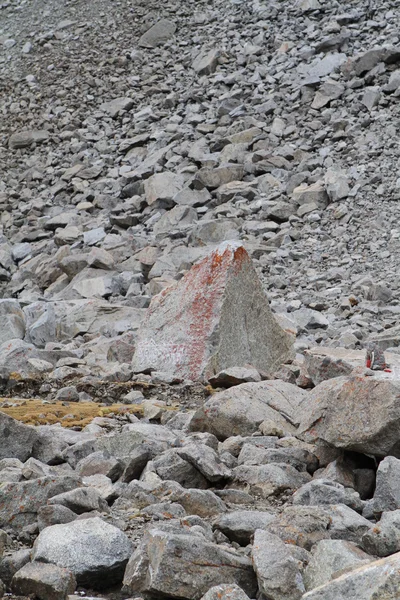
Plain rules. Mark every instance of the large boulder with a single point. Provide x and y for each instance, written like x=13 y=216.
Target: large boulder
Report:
x=154 y=567
x=94 y=551
x=217 y=316
x=355 y=413
x=377 y=580
x=16 y=440
x=241 y=410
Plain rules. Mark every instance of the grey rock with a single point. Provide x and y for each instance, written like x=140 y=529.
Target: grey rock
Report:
x=201 y=565
x=24 y=139
x=206 y=62
x=278 y=573
x=93 y=550
x=269 y=480
x=45 y=582
x=54 y=514
x=99 y=463
x=17 y=440
x=374 y=580
x=81 y=500
x=158 y=34
x=241 y=409
x=207 y=461
x=117 y=105
x=163 y=187
x=330 y=558
x=332 y=413
x=323 y=491
x=239 y=526
x=387 y=488
x=307 y=525
x=20 y=502
x=225 y=592
x=12 y=321
x=12 y=563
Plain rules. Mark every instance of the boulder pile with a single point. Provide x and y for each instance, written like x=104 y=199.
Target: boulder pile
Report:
x=198 y=238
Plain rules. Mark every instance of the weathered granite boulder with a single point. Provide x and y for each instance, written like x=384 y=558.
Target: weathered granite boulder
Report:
x=96 y=552
x=355 y=413
x=241 y=409
x=217 y=316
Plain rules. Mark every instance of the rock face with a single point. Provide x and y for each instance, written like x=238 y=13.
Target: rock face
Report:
x=216 y=317
x=200 y=564
x=93 y=550
x=355 y=413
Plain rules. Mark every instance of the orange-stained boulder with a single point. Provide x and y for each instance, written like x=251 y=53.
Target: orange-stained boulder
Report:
x=217 y=316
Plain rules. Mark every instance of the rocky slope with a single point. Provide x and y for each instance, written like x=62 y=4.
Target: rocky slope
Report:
x=162 y=167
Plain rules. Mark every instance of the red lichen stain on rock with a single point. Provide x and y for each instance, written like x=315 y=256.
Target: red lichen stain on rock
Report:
x=208 y=278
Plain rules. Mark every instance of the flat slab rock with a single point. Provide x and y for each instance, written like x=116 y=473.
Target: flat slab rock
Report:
x=217 y=316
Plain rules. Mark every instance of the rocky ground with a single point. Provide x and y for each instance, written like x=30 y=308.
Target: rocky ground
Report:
x=167 y=430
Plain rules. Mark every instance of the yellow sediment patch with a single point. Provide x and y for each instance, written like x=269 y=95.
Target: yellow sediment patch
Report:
x=68 y=414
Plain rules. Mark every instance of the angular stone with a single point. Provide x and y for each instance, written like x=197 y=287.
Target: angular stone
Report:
x=9 y=565
x=239 y=526
x=278 y=573
x=240 y=410
x=330 y=558
x=20 y=502
x=213 y=178
x=324 y=491
x=378 y=579
x=93 y=550
x=81 y=500
x=27 y=138
x=307 y=525
x=54 y=515
x=45 y=582
x=117 y=105
x=225 y=592
x=387 y=489
x=269 y=480
x=201 y=565
x=16 y=440
x=235 y=376
x=203 y=503
x=12 y=321
x=326 y=363
x=158 y=34
x=206 y=322
x=355 y=413
x=207 y=461
x=337 y=186
x=316 y=193
x=206 y=63
x=163 y=187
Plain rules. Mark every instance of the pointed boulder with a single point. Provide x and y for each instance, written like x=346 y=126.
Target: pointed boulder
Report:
x=217 y=316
